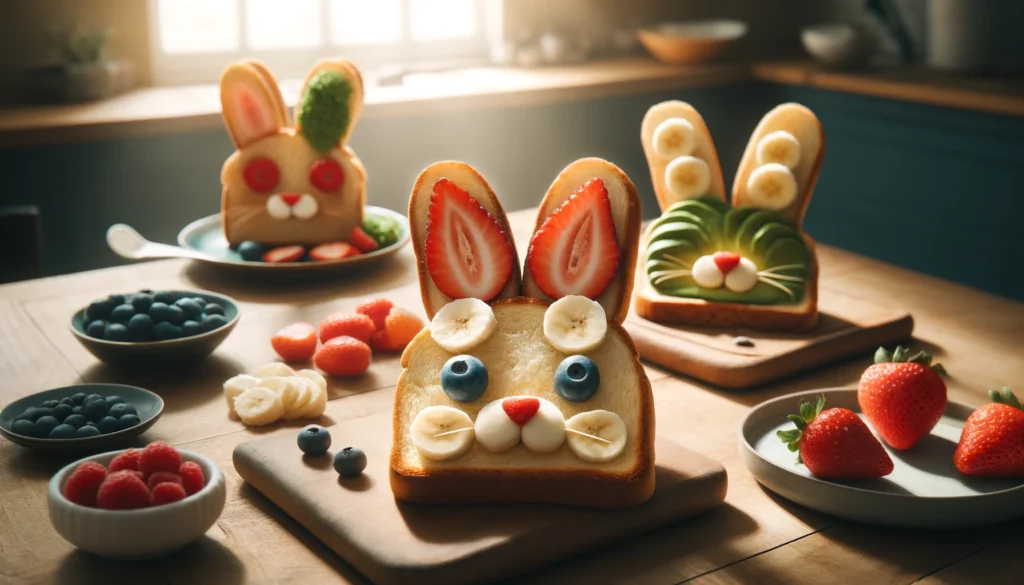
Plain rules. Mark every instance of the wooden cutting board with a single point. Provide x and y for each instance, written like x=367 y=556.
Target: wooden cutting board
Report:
x=391 y=542
x=848 y=326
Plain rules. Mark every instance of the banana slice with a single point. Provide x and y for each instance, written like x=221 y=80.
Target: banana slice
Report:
x=706 y=273
x=315 y=376
x=597 y=436
x=463 y=324
x=441 y=432
x=259 y=406
x=779 y=147
x=575 y=324
x=273 y=369
x=743 y=277
x=318 y=399
x=771 y=186
x=495 y=431
x=674 y=138
x=545 y=432
x=236 y=385
x=303 y=397
x=688 y=177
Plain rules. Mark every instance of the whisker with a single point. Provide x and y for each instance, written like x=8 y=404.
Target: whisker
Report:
x=582 y=434
x=782 y=277
x=767 y=281
x=676 y=259
x=672 y=264
x=669 y=275
x=785 y=267
x=462 y=430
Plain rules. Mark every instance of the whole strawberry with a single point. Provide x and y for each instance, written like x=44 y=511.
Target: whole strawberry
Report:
x=835 y=444
x=902 y=396
x=992 y=440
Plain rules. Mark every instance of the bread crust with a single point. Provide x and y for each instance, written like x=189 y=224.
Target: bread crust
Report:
x=586 y=487
x=705 y=148
x=616 y=298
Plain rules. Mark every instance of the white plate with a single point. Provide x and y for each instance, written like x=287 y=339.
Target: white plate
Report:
x=924 y=490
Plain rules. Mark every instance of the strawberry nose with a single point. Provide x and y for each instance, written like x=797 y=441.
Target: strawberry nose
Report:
x=290 y=198
x=521 y=409
x=726 y=261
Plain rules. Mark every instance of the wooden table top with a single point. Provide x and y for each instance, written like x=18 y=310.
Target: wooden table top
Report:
x=755 y=537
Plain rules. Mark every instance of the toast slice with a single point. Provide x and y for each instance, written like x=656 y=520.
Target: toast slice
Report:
x=704 y=149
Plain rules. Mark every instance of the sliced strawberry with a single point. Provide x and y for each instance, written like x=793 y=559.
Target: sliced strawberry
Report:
x=468 y=254
x=521 y=409
x=362 y=240
x=333 y=251
x=576 y=251
x=726 y=261
x=284 y=254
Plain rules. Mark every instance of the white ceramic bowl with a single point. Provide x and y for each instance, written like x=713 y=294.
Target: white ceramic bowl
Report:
x=143 y=533
x=839 y=45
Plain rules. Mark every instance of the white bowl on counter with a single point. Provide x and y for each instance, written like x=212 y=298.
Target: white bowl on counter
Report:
x=839 y=44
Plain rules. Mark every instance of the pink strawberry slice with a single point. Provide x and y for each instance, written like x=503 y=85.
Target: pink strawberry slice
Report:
x=576 y=251
x=726 y=261
x=522 y=409
x=468 y=253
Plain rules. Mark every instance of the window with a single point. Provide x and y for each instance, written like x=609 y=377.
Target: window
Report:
x=193 y=40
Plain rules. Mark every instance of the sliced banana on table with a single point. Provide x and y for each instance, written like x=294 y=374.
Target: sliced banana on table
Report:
x=463 y=324
x=441 y=432
x=575 y=324
x=318 y=402
x=771 y=186
x=258 y=406
x=236 y=385
x=673 y=138
x=779 y=147
x=315 y=376
x=597 y=436
x=545 y=432
x=273 y=369
x=687 y=177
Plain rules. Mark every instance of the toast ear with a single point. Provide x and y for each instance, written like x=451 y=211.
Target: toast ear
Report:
x=330 y=102
x=252 y=102
x=781 y=164
x=673 y=134
x=590 y=215
x=470 y=252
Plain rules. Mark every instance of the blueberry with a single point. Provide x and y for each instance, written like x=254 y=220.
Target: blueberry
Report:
x=26 y=414
x=62 y=432
x=97 y=409
x=577 y=378
x=75 y=420
x=92 y=397
x=46 y=424
x=24 y=427
x=62 y=411
x=96 y=328
x=127 y=421
x=202 y=302
x=251 y=251
x=78 y=398
x=175 y=315
x=190 y=328
x=142 y=302
x=116 y=299
x=78 y=410
x=99 y=309
x=159 y=312
x=69 y=400
x=314 y=440
x=42 y=411
x=87 y=431
x=115 y=332
x=51 y=403
x=140 y=327
x=193 y=310
x=107 y=424
x=119 y=410
x=464 y=378
x=165 y=296
x=166 y=330
x=211 y=322
x=112 y=400
x=122 y=313
x=349 y=462
x=213 y=309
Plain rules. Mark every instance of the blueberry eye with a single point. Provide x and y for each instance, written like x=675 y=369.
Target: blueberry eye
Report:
x=577 y=378
x=464 y=378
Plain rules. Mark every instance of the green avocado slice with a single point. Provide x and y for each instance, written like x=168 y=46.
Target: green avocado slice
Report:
x=691 y=232
x=681 y=216
x=734 y=218
x=767 y=235
x=754 y=222
x=787 y=251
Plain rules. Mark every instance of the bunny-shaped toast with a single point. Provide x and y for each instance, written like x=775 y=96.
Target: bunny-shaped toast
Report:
x=509 y=398
x=746 y=264
x=291 y=184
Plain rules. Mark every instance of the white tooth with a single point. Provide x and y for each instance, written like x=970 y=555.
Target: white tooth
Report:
x=688 y=177
x=441 y=432
x=771 y=186
x=674 y=138
x=315 y=376
x=706 y=273
x=495 y=431
x=306 y=208
x=277 y=208
x=273 y=369
x=545 y=432
x=779 y=147
x=743 y=277
x=235 y=386
x=463 y=324
x=575 y=324
x=597 y=436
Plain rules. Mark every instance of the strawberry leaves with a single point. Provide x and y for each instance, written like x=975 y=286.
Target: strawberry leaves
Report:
x=808 y=412
x=902 y=355
x=1005 y=396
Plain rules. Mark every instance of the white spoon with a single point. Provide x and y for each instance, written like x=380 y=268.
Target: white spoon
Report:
x=128 y=243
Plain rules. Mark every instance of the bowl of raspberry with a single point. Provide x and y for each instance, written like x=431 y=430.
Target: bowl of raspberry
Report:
x=136 y=503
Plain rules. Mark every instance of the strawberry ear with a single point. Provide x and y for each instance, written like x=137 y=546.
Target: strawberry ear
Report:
x=252 y=103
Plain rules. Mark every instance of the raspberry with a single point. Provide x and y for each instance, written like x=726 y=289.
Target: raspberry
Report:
x=295 y=342
x=167 y=492
x=354 y=325
x=126 y=460
x=122 y=490
x=84 y=482
x=159 y=456
x=400 y=327
x=163 y=477
x=376 y=309
x=192 y=477
x=343 y=356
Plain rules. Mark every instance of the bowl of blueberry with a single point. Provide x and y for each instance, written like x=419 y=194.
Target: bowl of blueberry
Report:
x=79 y=418
x=150 y=328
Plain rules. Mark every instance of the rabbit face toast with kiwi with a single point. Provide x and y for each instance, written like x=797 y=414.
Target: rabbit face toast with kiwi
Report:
x=291 y=183
x=709 y=262
x=538 y=398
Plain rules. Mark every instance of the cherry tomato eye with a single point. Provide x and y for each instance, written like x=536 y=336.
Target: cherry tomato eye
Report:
x=261 y=174
x=326 y=175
